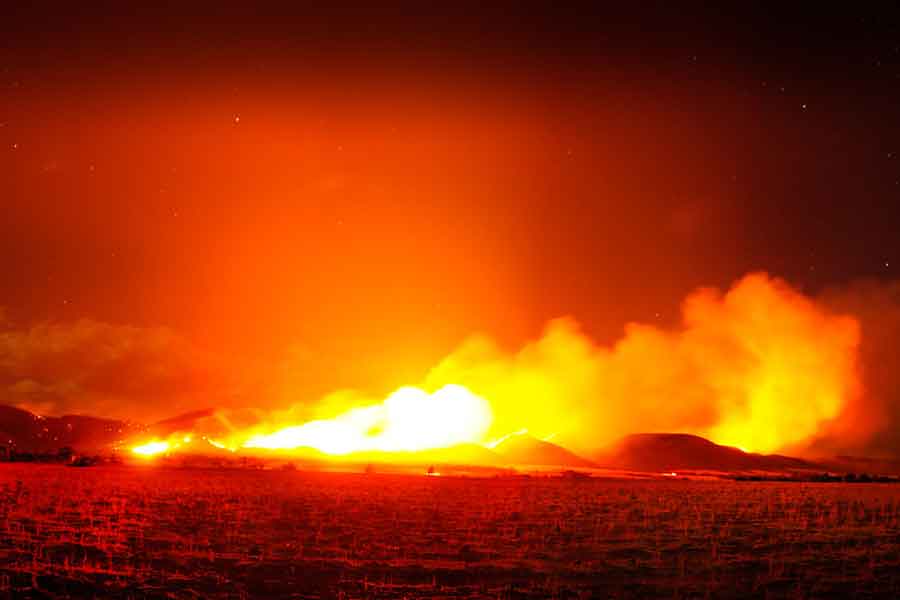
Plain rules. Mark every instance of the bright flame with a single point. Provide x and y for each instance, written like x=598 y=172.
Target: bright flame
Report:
x=760 y=367
x=219 y=445
x=501 y=439
x=410 y=419
x=156 y=446
x=151 y=448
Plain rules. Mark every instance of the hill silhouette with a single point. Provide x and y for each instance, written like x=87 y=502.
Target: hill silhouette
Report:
x=523 y=449
x=27 y=432
x=666 y=452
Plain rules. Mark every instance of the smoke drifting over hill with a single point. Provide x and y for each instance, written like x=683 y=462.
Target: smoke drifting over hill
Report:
x=98 y=368
x=760 y=366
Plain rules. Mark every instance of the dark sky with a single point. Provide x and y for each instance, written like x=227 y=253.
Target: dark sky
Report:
x=364 y=187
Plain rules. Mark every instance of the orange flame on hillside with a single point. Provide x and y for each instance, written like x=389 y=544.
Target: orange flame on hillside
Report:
x=410 y=419
x=157 y=447
x=151 y=448
x=761 y=367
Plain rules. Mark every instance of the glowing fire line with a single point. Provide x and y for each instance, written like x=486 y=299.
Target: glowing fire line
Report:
x=410 y=419
x=730 y=372
x=156 y=447
x=151 y=448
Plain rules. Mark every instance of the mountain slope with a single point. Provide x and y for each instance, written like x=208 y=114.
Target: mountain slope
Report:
x=27 y=432
x=523 y=449
x=664 y=452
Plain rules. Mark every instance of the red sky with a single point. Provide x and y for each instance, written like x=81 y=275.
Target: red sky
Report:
x=352 y=194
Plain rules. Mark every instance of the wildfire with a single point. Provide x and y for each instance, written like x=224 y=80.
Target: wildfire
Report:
x=151 y=448
x=410 y=419
x=156 y=447
x=219 y=445
x=501 y=439
x=760 y=367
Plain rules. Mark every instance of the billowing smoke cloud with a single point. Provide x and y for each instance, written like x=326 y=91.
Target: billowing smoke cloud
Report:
x=99 y=368
x=760 y=367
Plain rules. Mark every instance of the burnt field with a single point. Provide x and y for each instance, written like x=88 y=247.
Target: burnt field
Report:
x=134 y=533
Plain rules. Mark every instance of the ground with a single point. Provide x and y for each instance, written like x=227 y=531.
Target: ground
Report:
x=120 y=532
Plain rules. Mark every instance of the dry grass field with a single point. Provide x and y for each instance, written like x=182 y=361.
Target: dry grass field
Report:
x=159 y=533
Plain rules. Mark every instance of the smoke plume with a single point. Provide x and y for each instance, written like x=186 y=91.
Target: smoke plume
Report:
x=760 y=366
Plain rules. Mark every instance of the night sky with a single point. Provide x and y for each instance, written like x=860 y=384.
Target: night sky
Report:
x=197 y=199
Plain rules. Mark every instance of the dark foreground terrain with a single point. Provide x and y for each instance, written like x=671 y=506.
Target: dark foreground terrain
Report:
x=134 y=533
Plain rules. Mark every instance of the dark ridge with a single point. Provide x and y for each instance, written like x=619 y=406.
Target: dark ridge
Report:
x=665 y=452
x=24 y=431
